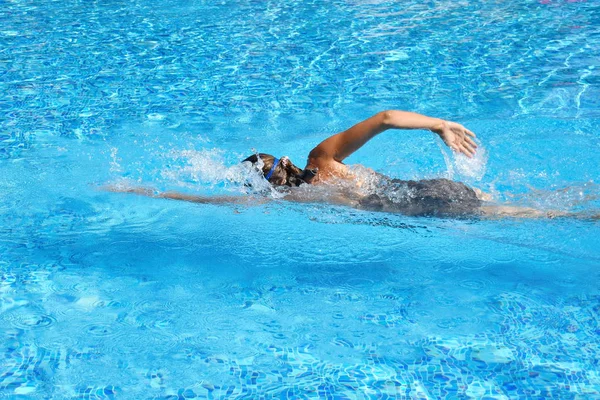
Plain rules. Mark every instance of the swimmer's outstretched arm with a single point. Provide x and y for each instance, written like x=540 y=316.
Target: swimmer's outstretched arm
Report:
x=210 y=199
x=341 y=145
x=149 y=192
x=246 y=200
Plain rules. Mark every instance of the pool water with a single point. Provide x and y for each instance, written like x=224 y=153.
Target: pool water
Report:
x=106 y=295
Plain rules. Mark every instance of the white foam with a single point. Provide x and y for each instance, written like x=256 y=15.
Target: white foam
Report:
x=461 y=167
x=208 y=168
x=473 y=168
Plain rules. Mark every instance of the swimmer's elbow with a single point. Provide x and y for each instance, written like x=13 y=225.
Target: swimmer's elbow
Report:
x=386 y=118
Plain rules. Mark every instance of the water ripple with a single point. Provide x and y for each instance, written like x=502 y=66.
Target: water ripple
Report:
x=28 y=319
x=63 y=82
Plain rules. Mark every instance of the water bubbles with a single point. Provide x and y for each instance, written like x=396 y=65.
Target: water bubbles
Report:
x=115 y=166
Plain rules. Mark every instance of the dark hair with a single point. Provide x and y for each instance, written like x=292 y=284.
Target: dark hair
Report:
x=284 y=174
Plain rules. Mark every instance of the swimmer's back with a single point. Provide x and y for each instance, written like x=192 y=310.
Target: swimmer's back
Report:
x=431 y=197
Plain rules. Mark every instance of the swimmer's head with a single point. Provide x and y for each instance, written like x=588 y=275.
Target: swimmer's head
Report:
x=278 y=171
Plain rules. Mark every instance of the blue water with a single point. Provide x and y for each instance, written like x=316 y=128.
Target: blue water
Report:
x=106 y=295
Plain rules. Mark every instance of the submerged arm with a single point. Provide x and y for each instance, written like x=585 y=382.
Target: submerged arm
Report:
x=341 y=145
x=149 y=192
x=208 y=199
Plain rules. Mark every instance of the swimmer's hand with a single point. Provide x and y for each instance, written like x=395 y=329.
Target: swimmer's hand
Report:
x=456 y=136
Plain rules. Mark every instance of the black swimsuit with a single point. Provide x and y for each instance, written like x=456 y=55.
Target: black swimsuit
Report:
x=432 y=197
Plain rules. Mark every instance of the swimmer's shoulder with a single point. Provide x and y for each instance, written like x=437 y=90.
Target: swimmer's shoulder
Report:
x=328 y=169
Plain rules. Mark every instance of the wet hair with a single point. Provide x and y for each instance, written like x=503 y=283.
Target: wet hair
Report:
x=284 y=174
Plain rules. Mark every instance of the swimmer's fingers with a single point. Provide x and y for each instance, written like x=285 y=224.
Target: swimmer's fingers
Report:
x=466 y=151
x=460 y=128
x=458 y=138
x=450 y=142
x=461 y=131
x=466 y=143
x=464 y=146
x=456 y=146
x=471 y=142
x=469 y=145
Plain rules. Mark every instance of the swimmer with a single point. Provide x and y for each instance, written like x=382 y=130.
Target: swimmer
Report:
x=325 y=168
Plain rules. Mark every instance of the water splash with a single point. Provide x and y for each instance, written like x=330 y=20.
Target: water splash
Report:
x=115 y=165
x=461 y=167
x=207 y=169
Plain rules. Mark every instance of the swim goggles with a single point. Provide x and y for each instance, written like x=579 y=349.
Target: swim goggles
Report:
x=275 y=164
